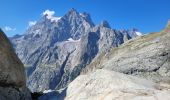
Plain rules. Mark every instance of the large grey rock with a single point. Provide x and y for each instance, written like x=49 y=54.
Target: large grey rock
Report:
x=109 y=85
x=11 y=93
x=11 y=68
x=12 y=74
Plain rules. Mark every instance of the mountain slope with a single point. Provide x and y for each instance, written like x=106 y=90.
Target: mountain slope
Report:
x=146 y=56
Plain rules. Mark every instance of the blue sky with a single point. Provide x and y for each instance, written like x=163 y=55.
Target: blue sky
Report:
x=145 y=15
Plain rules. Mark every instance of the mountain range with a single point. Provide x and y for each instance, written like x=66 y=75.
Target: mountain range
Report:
x=56 y=50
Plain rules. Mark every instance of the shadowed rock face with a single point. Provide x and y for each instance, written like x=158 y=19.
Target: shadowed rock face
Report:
x=12 y=74
x=11 y=68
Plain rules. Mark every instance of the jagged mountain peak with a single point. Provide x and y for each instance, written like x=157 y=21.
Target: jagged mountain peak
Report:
x=51 y=15
x=85 y=14
x=87 y=17
x=77 y=21
x=72 y=25
x=72 y=10
x=104 y=23
x=132 y=32
x=73 y=14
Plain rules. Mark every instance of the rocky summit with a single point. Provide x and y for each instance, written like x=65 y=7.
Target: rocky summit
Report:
x=55 y=50
x=12 y=74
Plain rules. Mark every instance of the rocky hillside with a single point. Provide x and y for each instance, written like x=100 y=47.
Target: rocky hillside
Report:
x=12 y=74
x=55 y=51
x=146 y=56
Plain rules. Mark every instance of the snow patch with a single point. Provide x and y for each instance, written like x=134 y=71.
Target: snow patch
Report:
x=72 y=40
x=47 y=91
x=138 y=33
x=81 y=14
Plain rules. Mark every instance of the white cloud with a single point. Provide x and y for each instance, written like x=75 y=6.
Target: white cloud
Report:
x=31 y=23
x=50 y=15
x=7 y=28
x=48 y=12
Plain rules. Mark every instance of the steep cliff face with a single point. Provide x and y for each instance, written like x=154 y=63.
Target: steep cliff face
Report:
x=146 y=56
x=55 y=52
x=12 y=73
